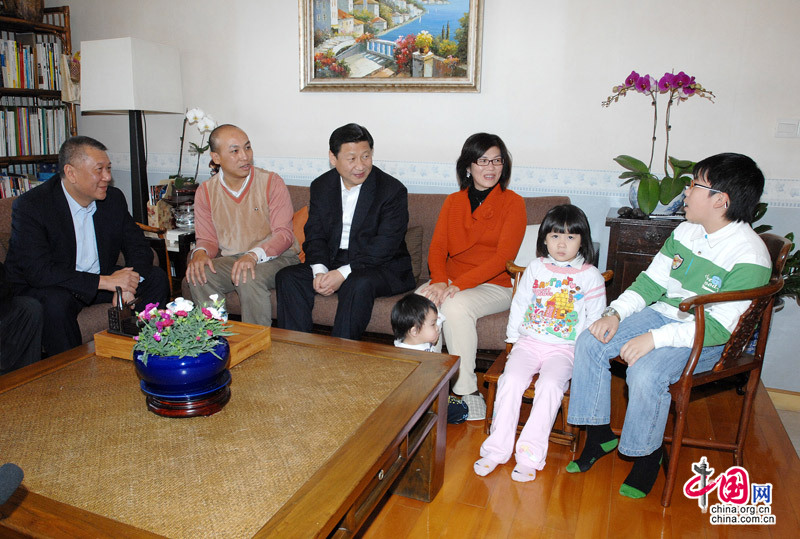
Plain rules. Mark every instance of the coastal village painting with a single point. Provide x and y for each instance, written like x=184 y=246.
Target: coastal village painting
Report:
x=364 y=42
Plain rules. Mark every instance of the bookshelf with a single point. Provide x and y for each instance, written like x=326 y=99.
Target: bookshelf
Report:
x=33 y=119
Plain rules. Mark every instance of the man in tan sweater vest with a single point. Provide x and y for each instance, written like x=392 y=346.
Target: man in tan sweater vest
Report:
x=243 y=227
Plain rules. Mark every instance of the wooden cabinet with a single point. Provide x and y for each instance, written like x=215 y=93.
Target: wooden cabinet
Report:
x=34 y=119
x=631 y=247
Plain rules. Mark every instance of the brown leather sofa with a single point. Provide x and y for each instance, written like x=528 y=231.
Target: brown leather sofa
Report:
x=423 y=212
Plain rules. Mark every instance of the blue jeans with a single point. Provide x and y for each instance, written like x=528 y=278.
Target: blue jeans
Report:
x=648 y=382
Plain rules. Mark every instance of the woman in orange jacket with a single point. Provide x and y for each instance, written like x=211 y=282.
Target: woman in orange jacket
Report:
x=479 y=228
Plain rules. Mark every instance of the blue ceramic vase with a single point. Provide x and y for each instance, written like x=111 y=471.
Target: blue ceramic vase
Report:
x=187 y=376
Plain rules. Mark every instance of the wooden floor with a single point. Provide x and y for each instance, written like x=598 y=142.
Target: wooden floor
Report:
x=558 y=504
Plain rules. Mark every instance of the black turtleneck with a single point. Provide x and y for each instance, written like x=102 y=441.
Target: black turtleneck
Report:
x=476 y=197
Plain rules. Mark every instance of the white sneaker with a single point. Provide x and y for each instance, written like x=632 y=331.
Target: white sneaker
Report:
x=476 y=406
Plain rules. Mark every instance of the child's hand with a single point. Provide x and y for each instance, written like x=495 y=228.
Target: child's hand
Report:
x=635 y=348
x=604 y=328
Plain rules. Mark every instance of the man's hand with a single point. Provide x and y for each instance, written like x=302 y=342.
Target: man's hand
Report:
x=326 y=284
x=604 y=328
x=196 y=269
x=246 y=263
x=126 y=278
x=127 y=297
x=637 y=347
x=438 y=292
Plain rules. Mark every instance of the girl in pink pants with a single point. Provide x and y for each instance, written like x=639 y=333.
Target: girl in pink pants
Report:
x=558 y=296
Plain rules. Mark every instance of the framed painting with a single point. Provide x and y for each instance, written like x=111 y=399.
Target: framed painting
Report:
x=390 y=45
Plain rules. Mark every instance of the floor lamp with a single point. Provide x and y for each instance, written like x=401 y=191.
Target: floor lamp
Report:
x=134 y=76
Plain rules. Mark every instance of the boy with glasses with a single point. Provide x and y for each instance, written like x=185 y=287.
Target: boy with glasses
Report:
x=716 y=250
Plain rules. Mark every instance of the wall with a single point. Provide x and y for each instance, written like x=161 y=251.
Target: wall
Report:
x=546 y=68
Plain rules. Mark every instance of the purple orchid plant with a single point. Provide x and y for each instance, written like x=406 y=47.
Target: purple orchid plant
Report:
x=677 y=87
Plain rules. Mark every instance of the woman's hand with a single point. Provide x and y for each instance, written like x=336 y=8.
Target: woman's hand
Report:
x=438 y=292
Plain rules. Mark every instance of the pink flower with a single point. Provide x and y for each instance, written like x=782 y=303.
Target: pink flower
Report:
x=209 y=332
x=666 y=83
x=197 y=338
x=181 y=314
x=681 y=80
x=156 y=337
x=206 y=313
x=644 y=84
x=631 y=79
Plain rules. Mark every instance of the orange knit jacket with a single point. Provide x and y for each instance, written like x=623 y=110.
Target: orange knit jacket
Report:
x=468 y=248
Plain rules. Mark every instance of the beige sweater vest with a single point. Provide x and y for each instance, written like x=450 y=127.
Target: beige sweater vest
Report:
x=242 y=223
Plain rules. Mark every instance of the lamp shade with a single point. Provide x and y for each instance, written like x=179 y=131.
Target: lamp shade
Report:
x=127 y=74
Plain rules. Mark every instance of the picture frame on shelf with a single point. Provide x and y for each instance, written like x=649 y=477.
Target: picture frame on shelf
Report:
x=390 y=45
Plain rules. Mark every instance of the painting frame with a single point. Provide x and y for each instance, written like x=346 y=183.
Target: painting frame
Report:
x=470 y=82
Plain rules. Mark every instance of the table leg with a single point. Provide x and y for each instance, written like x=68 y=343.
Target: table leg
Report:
x=424 y=475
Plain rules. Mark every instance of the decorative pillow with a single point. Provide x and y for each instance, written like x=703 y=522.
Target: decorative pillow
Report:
x=298 y=223
x=527 y=251
x=414 y=244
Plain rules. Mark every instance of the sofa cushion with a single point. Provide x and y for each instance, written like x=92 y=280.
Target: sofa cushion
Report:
x=414 y=244
x=527 y=251
x=298 y=226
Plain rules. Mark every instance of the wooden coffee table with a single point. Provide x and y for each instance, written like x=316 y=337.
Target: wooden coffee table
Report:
x=317 y=432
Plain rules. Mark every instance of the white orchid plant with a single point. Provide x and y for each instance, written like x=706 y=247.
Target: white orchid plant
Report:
x=205 y=125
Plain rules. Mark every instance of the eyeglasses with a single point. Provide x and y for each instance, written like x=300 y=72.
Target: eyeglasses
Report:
x=693 y=184
x=482 y=161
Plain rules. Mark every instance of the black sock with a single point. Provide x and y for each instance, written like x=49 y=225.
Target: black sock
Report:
x=600 y=441
x=643 y=475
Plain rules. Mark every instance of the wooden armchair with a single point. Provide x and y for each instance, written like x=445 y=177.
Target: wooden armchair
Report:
x=734 y=361
x=162 y=235
x=563 y=433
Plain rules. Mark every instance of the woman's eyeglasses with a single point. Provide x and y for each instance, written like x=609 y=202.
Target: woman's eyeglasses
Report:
x=482 y=161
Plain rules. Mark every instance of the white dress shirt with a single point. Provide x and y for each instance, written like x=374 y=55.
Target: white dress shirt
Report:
x=86 y=257
x=349 y=202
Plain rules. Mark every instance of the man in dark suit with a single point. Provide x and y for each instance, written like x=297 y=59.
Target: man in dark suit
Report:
x=20 y=328
x=354 y=240
x=66 y=237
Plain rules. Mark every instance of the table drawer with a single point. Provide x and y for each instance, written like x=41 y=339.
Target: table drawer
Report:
x=390 y=468
x=646 y=239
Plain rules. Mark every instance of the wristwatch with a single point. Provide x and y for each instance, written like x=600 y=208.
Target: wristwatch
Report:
x=610 y=311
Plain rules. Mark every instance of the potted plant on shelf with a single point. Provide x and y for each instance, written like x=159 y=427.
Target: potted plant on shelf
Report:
x=181 y=355
x=205 y=125
x=649 y=188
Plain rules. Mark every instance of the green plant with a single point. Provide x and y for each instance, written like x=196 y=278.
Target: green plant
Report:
x=791 y=270
x=181 y=329
x=653 y=189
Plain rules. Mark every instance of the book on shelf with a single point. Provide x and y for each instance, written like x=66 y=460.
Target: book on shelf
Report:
x=32 y=126
x=12 y=185
x=30 y=60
